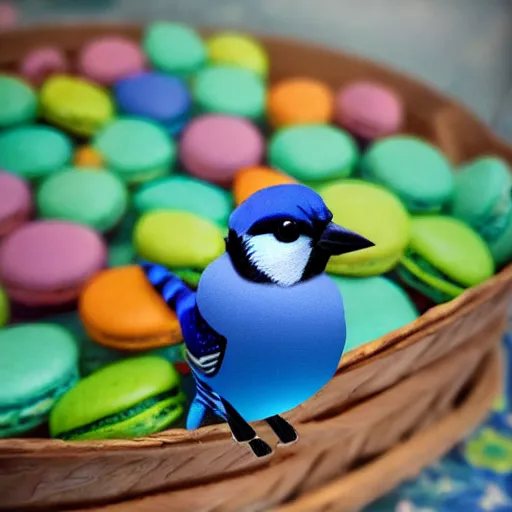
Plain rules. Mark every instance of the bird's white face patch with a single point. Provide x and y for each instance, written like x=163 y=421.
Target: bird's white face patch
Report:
x=283 y=263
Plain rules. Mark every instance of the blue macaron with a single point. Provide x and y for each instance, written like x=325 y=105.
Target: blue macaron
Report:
x=155 y=96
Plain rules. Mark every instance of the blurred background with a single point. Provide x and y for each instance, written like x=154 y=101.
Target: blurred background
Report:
x=463 y=47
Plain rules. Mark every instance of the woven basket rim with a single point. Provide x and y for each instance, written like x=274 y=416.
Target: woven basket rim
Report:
x=384 y=345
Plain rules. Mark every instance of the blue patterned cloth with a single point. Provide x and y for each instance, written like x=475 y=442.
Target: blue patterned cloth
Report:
x=475 y=476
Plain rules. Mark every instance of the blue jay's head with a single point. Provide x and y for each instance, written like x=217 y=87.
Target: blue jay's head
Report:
x=284 y=235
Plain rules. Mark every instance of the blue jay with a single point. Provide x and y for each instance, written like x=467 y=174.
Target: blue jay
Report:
x=265 y=329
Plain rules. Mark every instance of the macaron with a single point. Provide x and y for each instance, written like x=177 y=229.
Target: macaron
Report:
x=156 y=96
x=5 y=310
x=413 y=169
x=444 y=258
x=376 y=298
x=75 y=104
x=483 y=196
x=313 y=153
x=230 y=90
x=251 y=179
x=215 y=146
x=501 y=247
x=376 y=214
x=174 y=48
x=120 y=309
x=18 y=102
x=107 y=405
x=40 y=63
x=299 y=100
x=34 y=151
x=186 y=194
x=368 y=110
x=46 y=262
x=136 y=149
x=38 y=364
x=88 y=157
x=15 y=202
x=238 y=50
x=181 y=241
x=107 y=59
x=96 y=199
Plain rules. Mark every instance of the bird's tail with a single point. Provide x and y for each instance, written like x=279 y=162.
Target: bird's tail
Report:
x=177 y=295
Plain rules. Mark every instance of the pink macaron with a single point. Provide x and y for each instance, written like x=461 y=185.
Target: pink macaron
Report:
x=15 y=202
x=41 y=63
x=214 y=147
x=106 y=60
x=369 y=110
x=46 y=263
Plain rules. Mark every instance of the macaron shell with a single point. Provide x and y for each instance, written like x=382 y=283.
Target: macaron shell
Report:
x=40 y=63
x=108 y=391
x=121 y=305
x=501 y=247
x=183 y=193
x=18 y=102
x=377 y=298
x=178 y=239
x=453 y=248
x=108 y=59
x=50 y=255
x=34 y=359
x=374 y=213
x=15 y=202
x=251 y=179
x=97 y=200
x=214 y=147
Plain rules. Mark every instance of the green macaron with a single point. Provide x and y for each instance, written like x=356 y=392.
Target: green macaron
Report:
x=5 y=310
x=131 y=398
x=18 y=102
x=34 y=151
x=445 y=257
x=230 y=90
x=313 y=153
x=95 y=199
x=413 y=169
x=501 y=247
x=187 y=194
x=38 y=364
x=377 y=298
x=174 y=48
x=483 y=196
x=136 y=149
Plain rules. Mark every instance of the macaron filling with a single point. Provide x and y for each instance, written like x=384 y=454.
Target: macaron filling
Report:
x=46 y=297
x=29 y=414
x=171 y=405
x=10 y=223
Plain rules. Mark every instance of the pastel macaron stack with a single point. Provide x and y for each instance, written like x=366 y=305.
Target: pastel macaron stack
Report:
x=130 y=150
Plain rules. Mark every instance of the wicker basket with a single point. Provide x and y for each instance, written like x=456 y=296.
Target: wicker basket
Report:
x=383 y=392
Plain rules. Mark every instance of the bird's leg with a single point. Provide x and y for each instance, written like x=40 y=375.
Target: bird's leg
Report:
x=243 y=432
x=283 y=430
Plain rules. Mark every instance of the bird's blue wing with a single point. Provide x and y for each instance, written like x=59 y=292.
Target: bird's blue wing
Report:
x=205 y=346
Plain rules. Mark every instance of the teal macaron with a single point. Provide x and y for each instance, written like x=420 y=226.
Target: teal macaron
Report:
x=174 y=48
x=34 y=151
x=483 y=196
x=416 y=171
x=95 y=199
x=230 y=90
x=376 y=298
x=133 y=397
x=38 y=364
x=313 y=153
x=136 y=149
x=188 y=194
x=18 y=102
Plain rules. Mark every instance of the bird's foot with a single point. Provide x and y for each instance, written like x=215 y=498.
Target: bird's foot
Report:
x=283 y=430
x=259 y=447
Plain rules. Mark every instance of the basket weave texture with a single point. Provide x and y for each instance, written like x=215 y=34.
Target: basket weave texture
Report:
x=383 y=392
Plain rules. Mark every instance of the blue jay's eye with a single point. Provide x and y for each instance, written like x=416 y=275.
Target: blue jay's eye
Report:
x=287 y=232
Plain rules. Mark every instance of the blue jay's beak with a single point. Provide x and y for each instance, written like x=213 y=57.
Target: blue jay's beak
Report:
x=336 y=240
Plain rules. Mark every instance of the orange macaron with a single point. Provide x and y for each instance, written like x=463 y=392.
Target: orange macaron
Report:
x=120 y=309
x=299 y=100
x=87 y=156
x=249 y=180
